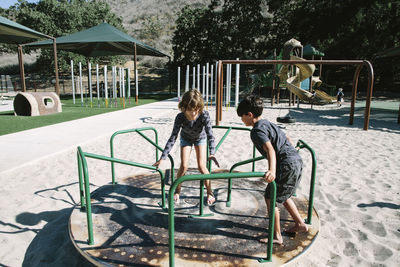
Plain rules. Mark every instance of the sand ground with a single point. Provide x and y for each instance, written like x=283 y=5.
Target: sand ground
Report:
x=357 y=188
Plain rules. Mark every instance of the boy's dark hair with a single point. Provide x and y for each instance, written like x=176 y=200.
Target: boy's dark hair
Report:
x=250 y=103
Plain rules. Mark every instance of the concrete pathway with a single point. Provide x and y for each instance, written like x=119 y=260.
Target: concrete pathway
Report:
x=23 y=147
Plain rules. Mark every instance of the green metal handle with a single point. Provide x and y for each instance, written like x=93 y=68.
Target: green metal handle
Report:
x=301 y=144
x=87 y=195
x=81 y=188
x=202 y=177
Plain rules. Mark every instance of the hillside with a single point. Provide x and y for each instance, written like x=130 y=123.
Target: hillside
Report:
x=152 y=21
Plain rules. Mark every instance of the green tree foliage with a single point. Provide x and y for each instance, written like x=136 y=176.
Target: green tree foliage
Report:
x=252 y=29
x=61 y=17
x=229 y=30
x=350 y=29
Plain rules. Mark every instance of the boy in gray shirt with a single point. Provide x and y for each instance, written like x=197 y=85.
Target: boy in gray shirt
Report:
x=285 y=164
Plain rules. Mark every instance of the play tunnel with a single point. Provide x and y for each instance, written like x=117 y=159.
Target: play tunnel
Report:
x=35 y=104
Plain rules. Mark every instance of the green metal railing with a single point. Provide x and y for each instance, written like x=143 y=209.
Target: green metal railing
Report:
x=139 y=131
x=83 y=173
x=202 y=177
x=86 y=203
x=229 y=128
x=244 y=162
x=209 y=163
x=301 y=144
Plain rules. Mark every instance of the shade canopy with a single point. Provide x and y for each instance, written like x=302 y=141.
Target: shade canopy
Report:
x=100 y=40
x=309 y=50
x=14 y=33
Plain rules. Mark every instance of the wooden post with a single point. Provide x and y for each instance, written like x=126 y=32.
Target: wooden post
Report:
x=354 y=93
x=369 y=93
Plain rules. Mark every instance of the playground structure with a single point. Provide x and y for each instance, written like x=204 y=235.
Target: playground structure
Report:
x=120 y=83
x=359 y=64
x=35 y=104
x=295 y=76
x=129 y=223
x=298 y=79
x=204 y=79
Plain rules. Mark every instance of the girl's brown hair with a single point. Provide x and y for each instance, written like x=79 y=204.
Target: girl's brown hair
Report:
x=191 y=100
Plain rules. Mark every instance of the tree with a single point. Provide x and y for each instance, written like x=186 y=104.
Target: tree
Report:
x=351 y=29
x=229 y=30
x=61 y=17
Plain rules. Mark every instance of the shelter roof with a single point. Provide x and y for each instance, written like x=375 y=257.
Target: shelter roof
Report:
x=12 y=32
x=100 y=40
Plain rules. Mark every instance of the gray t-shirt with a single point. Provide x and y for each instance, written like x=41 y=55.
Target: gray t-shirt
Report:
x=264 y=131
x=192 y=131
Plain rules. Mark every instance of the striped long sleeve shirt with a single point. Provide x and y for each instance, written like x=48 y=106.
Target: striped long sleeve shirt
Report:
x=191 y=131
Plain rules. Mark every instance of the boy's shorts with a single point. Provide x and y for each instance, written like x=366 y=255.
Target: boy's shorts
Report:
x=288 y=176
x=201 y=142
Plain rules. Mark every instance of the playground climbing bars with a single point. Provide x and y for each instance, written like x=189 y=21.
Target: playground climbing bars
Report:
x=358 y=63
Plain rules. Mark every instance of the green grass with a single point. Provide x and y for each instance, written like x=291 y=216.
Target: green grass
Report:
x=11 y=124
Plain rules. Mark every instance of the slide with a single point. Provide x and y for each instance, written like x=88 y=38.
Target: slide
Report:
x=303 y=71
x=324 y=97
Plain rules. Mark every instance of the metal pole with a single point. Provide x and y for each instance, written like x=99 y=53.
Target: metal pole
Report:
x=187 y=79
x=57 y=85
x=136 y=78
x=80 y=82
x=219 y=93
x=237 y=84
x=97 y=85
x=21 y=68
x=105 y=87
x=207 y=81
x=194 y=78
x=179 y=83
x=73 y=84
x=90 y=83
x=198 y=77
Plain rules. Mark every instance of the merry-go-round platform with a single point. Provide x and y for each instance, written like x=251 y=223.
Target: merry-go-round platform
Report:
x=131 y=229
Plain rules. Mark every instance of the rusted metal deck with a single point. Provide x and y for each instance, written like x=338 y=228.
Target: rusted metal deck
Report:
x=130 y=228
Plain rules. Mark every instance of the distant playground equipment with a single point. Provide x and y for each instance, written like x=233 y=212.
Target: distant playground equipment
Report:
x=359 y=64
x=36 y=104
x=204 y=79
x=124 y=223
x=300 y=76
x=108 y=97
